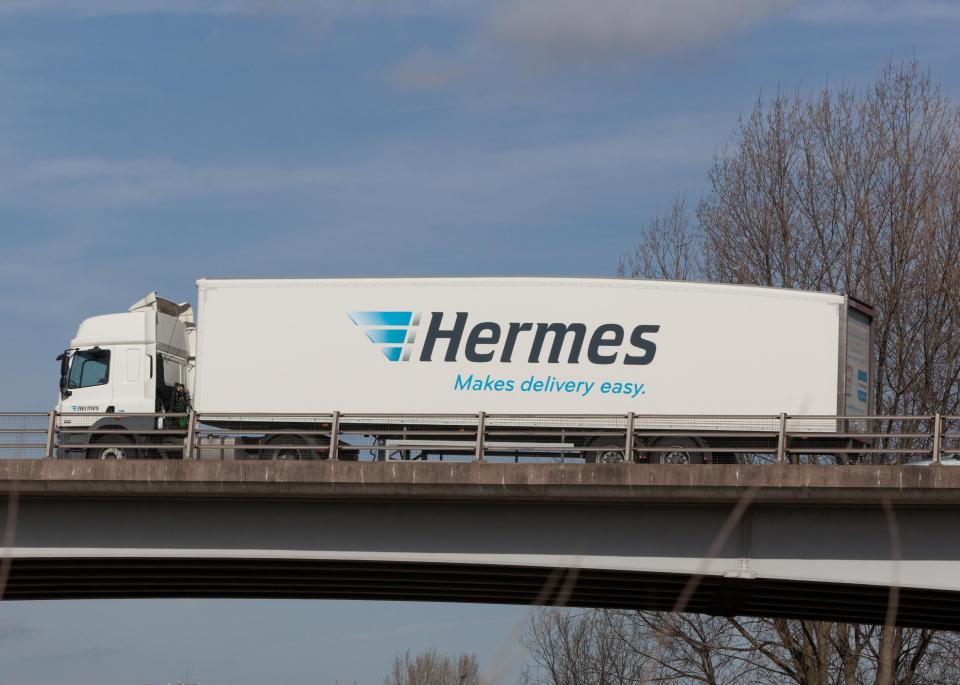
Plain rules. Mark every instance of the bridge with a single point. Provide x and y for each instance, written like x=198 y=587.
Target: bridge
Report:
x=805 y=541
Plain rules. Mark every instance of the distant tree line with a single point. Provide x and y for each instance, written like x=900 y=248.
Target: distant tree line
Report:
x=618 y=647
x=430 y=667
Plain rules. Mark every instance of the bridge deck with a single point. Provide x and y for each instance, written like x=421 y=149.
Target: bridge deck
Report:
x=710 y=484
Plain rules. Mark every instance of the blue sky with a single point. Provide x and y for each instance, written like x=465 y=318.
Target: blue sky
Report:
x=146 y=143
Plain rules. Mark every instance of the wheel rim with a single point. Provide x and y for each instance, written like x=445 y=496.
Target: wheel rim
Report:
x=112 y=453
x=610 y=456
x=286 y=455
x=677 y=457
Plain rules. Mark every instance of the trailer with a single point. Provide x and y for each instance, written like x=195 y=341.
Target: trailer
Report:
x=280 y=358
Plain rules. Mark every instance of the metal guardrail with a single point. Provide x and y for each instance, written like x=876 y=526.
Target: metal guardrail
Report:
x=485 y=437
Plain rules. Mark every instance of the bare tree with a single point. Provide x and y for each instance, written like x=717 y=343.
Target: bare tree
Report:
x=429 y=667
x=844 y=190
x=614 y=647
x=579 y=648
x=672 y=248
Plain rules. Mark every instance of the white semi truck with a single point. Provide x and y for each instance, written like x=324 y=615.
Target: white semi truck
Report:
x=564 y=347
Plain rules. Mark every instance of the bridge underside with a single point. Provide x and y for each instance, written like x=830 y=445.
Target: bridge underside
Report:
x=816 y=542
x=32 y=579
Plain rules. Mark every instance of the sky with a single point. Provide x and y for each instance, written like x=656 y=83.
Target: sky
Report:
x=148 y=143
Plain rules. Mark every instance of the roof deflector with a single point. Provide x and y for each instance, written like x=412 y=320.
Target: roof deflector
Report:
x=183 y=311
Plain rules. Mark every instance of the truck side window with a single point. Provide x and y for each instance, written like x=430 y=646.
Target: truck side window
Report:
x=89 y=367
x=171 y=371
x=169 y=375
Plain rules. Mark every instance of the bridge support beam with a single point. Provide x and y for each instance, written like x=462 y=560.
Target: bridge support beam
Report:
x=813 y=543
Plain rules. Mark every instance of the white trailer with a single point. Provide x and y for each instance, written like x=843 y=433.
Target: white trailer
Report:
x=508 y=346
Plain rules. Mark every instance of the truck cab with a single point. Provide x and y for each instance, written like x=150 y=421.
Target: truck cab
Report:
x=121 y=365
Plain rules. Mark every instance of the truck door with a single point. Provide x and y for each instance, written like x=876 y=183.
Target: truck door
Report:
x=90 y=381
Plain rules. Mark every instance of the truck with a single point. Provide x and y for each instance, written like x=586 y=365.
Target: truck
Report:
x=276 y=358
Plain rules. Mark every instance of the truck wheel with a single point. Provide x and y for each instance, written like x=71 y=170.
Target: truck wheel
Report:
x=111 y=453
x=681 y=451
x=285 y=453
x=845 y=458
x=603 y=453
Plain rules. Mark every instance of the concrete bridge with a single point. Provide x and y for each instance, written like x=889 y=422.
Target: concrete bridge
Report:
x=771 y=540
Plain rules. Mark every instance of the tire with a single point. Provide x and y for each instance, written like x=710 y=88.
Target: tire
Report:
x=850 y=458
x=682 y=451
x=286 y=453
x=112 y=453
x=344 y=455
x=729 y=458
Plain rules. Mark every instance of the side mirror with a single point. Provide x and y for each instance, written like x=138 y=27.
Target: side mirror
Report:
x=64 y=359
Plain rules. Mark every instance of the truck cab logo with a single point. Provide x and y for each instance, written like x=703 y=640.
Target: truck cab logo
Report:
x=393 y=332
x=84 y=407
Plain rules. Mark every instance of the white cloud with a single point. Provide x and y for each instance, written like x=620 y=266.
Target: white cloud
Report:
x=91 y=181
x=423 y=70
x=125 y=7
x=401 y=171
x=645 y=28
x=877 y=11
x=335 y=8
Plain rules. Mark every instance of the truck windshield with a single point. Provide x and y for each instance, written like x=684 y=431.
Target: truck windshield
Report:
x=89 y=367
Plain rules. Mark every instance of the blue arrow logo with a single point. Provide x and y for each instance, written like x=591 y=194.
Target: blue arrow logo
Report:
x=392 y=332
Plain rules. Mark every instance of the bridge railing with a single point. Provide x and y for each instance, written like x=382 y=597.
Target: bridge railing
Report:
x=24 y=435
x=585 y=438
